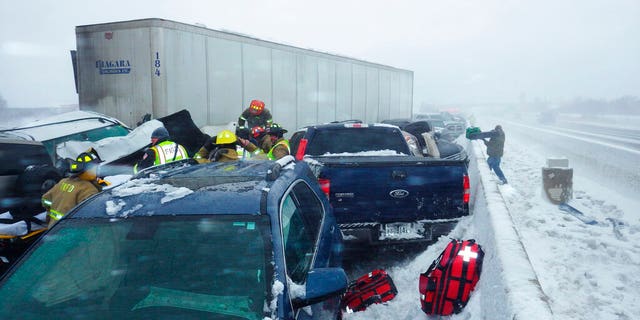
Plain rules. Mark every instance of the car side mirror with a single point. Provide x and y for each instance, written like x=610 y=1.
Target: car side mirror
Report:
x=322 y=284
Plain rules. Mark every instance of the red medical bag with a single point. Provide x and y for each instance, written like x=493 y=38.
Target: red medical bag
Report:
x=447 y=284
x=374 y=287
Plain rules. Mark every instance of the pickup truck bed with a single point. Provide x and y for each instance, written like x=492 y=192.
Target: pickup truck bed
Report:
x=380 y=198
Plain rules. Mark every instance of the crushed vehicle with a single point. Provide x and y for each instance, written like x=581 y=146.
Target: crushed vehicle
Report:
x=381 y=194
x=71 y=126
x=239 y=240
x=430 y=143
x=117 y=147
x=121 y=153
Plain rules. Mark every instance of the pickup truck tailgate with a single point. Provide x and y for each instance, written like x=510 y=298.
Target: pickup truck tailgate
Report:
x=383 y=189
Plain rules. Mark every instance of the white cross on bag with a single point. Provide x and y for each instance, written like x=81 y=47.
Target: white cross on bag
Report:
x=467 y=254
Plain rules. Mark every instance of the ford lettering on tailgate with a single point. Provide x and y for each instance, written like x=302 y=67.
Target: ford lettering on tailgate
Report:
x=399 y=193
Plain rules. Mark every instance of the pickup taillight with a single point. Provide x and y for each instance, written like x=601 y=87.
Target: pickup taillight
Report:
x=302 y=147
x=325 y=186
x=467 y=189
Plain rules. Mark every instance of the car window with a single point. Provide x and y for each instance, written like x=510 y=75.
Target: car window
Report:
x=301 y=214
x=182 y=267
x=16 y=157
x=348 y=140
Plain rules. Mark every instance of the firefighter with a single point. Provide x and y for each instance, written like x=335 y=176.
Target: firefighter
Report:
x=68 y=192
x=255 y=115
x=273 y=143
x=222 y=148
x=162 y=151
x=280 y=145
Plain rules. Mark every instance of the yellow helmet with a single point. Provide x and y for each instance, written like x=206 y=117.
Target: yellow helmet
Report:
x=226 y=137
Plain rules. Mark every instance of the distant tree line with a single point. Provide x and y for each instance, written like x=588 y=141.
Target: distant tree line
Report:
x=622 y=105
x=3 y=102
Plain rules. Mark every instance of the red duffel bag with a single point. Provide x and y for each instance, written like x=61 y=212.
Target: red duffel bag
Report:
x=447 y=284
x=373 y=287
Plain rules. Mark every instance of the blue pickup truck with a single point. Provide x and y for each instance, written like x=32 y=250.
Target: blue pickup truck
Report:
x=379 y=191
x=240 y=240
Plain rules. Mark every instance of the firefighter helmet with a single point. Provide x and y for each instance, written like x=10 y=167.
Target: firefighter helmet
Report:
x=276 y=130
x=258 y=131
x=256 y=107
x=83 y=162
x=226 y=137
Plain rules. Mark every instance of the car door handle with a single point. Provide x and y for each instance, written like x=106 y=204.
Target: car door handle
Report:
x=399 y=174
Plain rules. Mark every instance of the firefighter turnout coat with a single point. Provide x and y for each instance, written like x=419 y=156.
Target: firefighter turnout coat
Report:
x=67 y=194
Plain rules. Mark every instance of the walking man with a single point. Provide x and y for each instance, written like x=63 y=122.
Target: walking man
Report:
x=495 y=150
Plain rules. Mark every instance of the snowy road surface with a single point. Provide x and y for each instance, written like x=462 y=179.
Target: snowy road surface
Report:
x=584 y=271
x=557 y=265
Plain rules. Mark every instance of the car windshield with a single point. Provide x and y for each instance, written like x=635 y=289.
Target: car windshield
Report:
x=216 y=267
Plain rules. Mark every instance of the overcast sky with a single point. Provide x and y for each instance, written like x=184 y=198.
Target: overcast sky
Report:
x=460 y=51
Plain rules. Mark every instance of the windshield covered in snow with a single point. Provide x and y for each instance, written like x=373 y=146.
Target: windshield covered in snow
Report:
x=218 y=267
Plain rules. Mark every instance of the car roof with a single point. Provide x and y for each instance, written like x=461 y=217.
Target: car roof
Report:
x=205 y=189
x=9 y=137
x=65 y=124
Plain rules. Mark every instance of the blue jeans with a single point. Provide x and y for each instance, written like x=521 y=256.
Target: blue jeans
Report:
x=494 y=164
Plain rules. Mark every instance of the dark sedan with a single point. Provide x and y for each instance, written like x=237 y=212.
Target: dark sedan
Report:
x=240 y=240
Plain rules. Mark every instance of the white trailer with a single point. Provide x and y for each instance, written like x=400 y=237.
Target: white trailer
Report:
x=154 y=66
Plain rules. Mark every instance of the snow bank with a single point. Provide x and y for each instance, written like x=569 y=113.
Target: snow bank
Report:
x=511 y=289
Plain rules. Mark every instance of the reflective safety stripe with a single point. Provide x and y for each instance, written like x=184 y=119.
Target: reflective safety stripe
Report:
x=166 y=152
x=158 y=154
x=55 y=214
x=281 y=142
x=241 y=153
x=245 y=154
x=46 y=202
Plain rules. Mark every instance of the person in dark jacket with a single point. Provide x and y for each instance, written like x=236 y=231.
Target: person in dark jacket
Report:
x=495 y=150
x=162 y=151
x=255 y=115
